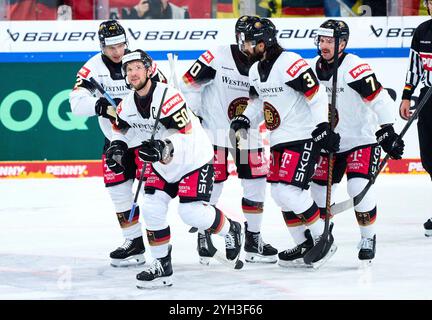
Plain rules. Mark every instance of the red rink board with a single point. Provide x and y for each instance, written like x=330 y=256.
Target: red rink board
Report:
x=93 y=168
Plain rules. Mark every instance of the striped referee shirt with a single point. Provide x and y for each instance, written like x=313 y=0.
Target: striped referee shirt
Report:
x=420 y=67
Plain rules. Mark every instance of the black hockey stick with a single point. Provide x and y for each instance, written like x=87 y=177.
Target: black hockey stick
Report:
x=318 y=248
x=140 y=181
x=102 y=91
x=347 y=204
x=110 y=112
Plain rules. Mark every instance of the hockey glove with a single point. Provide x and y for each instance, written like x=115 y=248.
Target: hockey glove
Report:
x=114 y=156
x=325 y=138
x=389 y=140
x=154 y=151
x=240 y=124
x=104 y=108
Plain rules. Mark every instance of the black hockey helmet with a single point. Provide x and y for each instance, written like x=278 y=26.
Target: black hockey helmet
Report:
x=339 y=27
x=136 y=55
x=257 y=29
x=110 y=33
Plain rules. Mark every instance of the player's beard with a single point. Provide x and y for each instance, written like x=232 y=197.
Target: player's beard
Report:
x=141 y=85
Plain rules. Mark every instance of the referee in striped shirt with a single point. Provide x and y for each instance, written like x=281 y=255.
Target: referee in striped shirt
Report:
x=420 y=68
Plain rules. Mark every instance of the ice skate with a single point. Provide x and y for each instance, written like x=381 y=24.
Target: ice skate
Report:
x=158 y=275
x=428 y=228
x=205 y=247
x=367 y=250
x=257 y=251
x=130 y=253
x=294 y=257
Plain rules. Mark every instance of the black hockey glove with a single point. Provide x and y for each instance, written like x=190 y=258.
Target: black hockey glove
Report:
x=325 y=138
x=154 y=151
x=104 y=108
x=389 y=140
x=114 y=156
x=240 y=124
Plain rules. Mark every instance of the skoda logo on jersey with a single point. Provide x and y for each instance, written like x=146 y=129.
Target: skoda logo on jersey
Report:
x=237 y=106
x=271 y=116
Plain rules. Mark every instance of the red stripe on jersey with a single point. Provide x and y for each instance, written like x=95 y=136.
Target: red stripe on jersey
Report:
x=84 y=72
x=187 y=128
x=207 y=56
x=357 y=71
x=171 y=103
x=296 y=66
x=189 y=80
x=311 y=91
x=373 y=95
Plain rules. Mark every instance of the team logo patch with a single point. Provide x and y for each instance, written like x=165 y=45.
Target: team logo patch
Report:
x=84 y=72
x=271 y=116
x=171 y=103
x=207 y=56
x=296 y=67
x=237 y=106
x=427 y=60
x=357 y=71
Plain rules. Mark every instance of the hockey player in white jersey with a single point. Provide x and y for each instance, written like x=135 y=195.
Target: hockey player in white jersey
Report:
x=85 y=100
x=217 y=88
x=284 y=91
x=365 y=117
x=180 y=154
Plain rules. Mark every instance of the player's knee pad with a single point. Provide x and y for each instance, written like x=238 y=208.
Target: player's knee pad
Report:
x=297 y=199
x=154 y=210
x=121 y=195
x=319 y=194
x=216 y=193
x=197 y=214
x=254 y=189
x=355 y=186
x=275 y=195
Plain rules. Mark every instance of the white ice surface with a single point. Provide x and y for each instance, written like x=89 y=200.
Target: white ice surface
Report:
x=56 y=234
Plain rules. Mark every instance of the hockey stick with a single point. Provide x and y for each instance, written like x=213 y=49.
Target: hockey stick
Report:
x=172 y=59
x=140 y=181
x=347 y=204
x=110 y=111
x=316 y=250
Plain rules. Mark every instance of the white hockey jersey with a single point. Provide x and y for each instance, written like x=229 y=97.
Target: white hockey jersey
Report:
x=84 y=95
x=192 y=148
x=217 y=88
x=292 y=100
x=362 y=103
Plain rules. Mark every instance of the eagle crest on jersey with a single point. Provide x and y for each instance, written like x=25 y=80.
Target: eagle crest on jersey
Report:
x=271 y=116
x=237 y=106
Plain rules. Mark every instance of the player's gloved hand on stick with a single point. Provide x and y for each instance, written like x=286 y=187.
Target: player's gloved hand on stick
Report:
x=390 y=141
x=240 y=124
x=114 y=156
x=325 y=138
x=154 y=151
x=104 y=108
